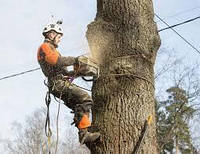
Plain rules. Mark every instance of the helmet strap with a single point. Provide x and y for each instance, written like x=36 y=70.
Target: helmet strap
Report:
x=52 y=41
x=55 y=45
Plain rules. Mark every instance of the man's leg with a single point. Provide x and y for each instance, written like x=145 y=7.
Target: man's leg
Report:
x=82 y=122
x=81 y=103
x=82 y=109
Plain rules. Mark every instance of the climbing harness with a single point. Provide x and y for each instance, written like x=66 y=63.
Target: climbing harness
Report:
x=142 y=136
x=132 y=75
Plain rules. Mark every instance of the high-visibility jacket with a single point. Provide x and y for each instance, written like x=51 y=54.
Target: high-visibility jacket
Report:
x=51 y=61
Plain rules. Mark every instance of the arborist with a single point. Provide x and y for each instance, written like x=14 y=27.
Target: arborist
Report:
x=54 y=67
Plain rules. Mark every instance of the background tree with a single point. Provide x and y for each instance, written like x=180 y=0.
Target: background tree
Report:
x=172 y=122
x=29 y=138
x=124 y=39
x=184 y=77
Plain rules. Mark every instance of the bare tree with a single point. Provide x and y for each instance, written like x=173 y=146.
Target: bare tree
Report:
x=165 y=62
x=29 y=138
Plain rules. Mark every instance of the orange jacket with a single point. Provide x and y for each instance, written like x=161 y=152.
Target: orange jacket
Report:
x=48 y=53
x=51 y=61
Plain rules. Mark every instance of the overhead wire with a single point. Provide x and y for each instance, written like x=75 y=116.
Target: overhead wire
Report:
x=178 y=34
x=21 y=73
x=182 y=12
x=184 y=22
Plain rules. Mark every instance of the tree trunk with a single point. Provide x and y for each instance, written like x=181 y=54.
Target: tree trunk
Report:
x=124 y=40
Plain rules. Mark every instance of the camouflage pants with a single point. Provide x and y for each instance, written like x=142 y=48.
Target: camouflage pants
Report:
x=69 y=92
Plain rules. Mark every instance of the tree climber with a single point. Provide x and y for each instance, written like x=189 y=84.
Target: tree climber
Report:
x=54 y=67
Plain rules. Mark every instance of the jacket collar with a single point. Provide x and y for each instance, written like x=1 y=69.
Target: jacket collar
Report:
x=50 y=42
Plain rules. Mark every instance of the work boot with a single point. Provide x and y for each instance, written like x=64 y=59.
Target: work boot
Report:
x=85 y=136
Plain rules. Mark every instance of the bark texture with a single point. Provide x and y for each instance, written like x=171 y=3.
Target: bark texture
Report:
x=125 y=41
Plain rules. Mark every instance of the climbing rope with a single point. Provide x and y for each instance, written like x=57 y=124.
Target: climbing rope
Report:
x=48 y=131
x=57 y=119
x=133 y=75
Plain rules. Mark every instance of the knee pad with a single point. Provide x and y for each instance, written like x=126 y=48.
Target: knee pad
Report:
x=81 y=120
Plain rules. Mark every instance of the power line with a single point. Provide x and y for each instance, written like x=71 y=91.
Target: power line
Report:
x=179 y=34
x=184 y=22
x=17 y=74
x=182 y=12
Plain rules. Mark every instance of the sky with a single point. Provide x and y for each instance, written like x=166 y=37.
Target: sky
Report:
x=21 y=27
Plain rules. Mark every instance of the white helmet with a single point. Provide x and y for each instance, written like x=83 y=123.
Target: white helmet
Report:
x=53 y=26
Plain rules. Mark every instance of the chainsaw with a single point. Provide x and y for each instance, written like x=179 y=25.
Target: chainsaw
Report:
x=86 y=67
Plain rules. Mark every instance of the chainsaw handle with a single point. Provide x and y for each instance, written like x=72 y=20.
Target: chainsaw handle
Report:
x=88 y=80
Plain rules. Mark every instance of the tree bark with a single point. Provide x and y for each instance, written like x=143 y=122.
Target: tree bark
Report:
x=124 y=40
